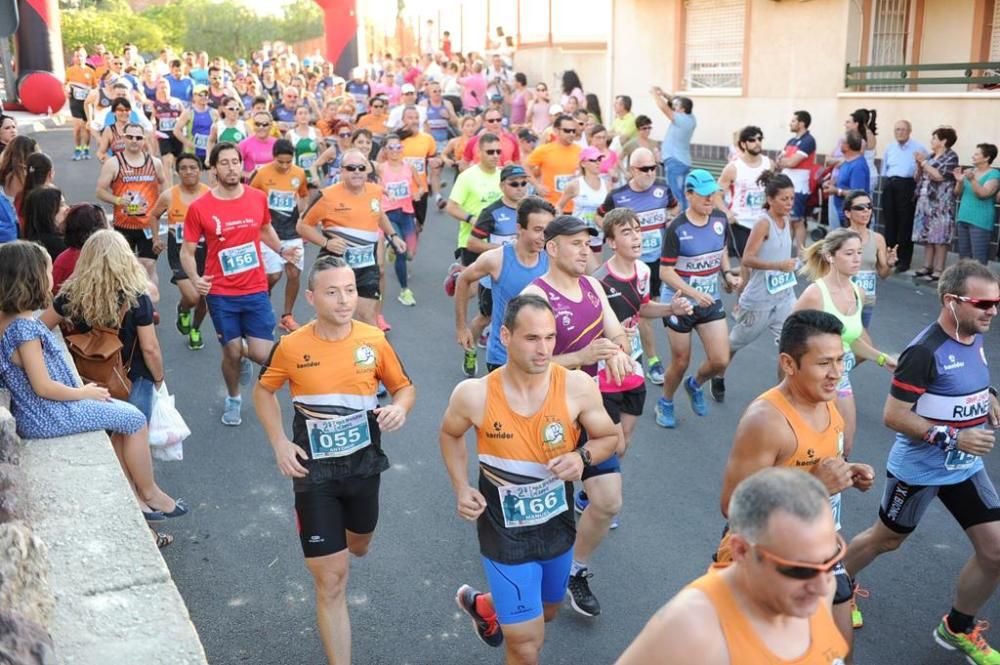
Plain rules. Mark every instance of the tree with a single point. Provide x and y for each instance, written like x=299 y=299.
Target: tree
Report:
x=88 y=27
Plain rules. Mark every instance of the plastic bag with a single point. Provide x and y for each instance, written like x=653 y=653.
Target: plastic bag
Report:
x=167 y=429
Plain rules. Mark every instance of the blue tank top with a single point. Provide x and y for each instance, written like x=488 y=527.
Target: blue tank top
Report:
x=437 y=123
x=502 y=232
x=578 y=323
x=695 y=253
x=201 y=127
x=513 y=278
x=360 y=91
x=948 y=384
x=650 y=206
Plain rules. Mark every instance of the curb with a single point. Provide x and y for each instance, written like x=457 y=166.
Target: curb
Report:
x=28 y=124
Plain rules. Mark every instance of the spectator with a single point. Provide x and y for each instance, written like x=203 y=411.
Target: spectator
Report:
x=81 y=222
x=46 y=398
x=976 y=217
x=677 y=142
x=539 y=114
x=898 y=186
x=14 y=167
x=644 y=129
x=852 y=174
x=498 y=77
x=798 y=162
x=9 y=227
x=597 y=137
x=474 y=90
x=935 y=211
x=39 y=173
x=520 y=99
x=44 y=213
x=864 y=122
x=623 y=127
x=593 y=107
x=572 y=87
x=8 y=130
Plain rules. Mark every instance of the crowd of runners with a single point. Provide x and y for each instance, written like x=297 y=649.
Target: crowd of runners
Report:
x=574 y=236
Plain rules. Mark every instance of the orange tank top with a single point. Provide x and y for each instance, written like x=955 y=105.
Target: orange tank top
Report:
x=138 y=188
x=826 y=645
x=811 y=446
x=178 y=209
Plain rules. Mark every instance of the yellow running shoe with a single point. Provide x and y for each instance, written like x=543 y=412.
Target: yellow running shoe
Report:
x=972 y=644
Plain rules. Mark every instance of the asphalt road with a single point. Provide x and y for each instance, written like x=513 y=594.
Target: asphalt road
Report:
x=238 y=565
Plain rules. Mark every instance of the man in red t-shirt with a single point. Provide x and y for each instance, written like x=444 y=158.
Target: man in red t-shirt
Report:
x=233 y=220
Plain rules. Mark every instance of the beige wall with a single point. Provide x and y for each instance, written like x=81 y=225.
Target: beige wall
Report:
x=548 y=63
x=947 y=38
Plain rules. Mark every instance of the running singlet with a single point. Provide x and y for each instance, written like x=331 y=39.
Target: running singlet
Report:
x=283 y=191
x=201 y=127
x=626 y=295
x=514 y=276
x=801 y=174
x=306 y=150
x=417 y=149
x=333 y=384
x=437 y=122
x=527 y=516
x=399 y=185
x=80 y=80
x=361 y=91
x=116 y=145
x=233 y=134
x=231 y=229
x=585 y=206
x=695 y=253
x=177 y=211
x=497 y=225
x=558 y=165
x=867 y=277
x=138 y=188
x=747 y=194
x=166 y=114
x=826 y=646
x=578 y=323
x=351 y=217
x=650 y=206
x=948 y=384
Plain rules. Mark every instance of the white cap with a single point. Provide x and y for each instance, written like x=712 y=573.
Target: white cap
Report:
x=407 y=87
x=555 y=109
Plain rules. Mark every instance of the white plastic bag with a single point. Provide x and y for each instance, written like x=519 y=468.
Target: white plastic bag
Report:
x=167 y=429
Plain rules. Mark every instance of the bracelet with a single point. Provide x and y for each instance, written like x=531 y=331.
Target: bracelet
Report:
x=394 y=235
x=881 y=359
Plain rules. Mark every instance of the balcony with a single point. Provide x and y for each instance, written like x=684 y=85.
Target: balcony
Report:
x=874 y=78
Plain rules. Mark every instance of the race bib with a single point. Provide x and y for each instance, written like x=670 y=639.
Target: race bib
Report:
x=562 y=180
x=779 y=280
x=636 y=345
x=80 y=94
x=281 y=200
x=148 y=233
x=835 y=504
x=502 y=240
x=201 y=141
x=865 y=279
x=241 y=258
x=416 y=163
x=707 y=284
x=338 y=437
x=398 y=191
x=360 y=257
x=956 y=460
x=652 y=241
x=307 y=160
x=168 y=124
x=532 y=504
x=755 y=200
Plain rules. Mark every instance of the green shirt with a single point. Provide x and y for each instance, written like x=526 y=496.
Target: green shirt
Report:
x=974 y=210
x=625 y=127
x=474 y=190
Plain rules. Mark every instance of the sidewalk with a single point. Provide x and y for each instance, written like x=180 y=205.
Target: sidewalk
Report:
x=30 y=123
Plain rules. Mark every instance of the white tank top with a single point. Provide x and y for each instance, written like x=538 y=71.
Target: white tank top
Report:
x=748 y=196
x=585 y=206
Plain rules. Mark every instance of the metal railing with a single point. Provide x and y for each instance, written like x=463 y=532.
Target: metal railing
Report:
x=984 y=74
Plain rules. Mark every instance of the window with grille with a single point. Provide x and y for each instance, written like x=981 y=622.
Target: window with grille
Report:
x=713 y=44
x=994 y=55
x=890 y=35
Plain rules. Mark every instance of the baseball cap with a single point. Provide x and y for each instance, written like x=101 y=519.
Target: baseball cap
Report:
x=567 y=225
x=590 y=152
x=513 y=171
x=241 y=63
x=555 y=109
x=496 y=98
x=338 y=80
x=201 y=87
x=407 y=87
x=701 y=182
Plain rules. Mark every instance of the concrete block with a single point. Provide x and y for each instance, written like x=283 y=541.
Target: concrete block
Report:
x=24 y=587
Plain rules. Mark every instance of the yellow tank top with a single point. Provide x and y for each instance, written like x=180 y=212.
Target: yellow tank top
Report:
x=811 y=446
x=826 y=646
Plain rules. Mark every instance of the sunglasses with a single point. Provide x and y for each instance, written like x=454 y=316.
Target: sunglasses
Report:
x=517 y=183
x=979 y=303
x=394 y=147
x=493 y=120
x=355 y=168
x=802 y=570
x=234 y=109
x=567 y=131
x=862 y=206
x=597 y=161
x=201 y=93
x=378 y=106
x=261 y=125
x=345 y=136
x=133 y=137
x=493 y=151
x=645 y=169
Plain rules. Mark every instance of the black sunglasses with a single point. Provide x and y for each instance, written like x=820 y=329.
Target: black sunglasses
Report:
x=492 y=120
x=133 y=137
x=567 y=131
x=517 y=183
x=979 y=303
x=645 y=169
x=355 y=168
x=862 y=206
x=493 y=151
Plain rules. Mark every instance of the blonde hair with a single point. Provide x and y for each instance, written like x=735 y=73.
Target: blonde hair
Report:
x=816 y=257
x=106 y=272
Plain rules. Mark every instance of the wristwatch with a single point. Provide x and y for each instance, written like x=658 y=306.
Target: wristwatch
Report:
x=585 y=456
x=942 y=436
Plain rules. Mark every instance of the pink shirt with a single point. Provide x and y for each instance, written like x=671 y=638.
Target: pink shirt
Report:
x=399 y=185
x=609 y=161
x=390 y=91
x=256 y=152
x=473 y=91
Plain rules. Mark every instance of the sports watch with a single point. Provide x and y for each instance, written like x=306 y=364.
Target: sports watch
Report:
x=945 y=438
x=584 y=455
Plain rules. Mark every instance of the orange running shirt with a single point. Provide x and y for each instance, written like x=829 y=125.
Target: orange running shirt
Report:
x=417 y=149
x=81 y=81
x=283 y=191
x=138 y=188
x=558 y=164
x=353 y=217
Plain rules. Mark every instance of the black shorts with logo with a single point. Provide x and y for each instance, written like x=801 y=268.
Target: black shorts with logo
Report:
x=174 y=259
x=972 y=501
x=141 y=246
x=700 y=315
x=327 y=508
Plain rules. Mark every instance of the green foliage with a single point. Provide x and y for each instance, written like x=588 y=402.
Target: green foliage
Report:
x=227 y=27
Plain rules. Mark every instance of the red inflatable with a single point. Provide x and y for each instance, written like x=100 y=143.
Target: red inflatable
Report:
x=41 y=92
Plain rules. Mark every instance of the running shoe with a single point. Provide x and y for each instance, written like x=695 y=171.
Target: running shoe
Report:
x=449 y=281
x=615 y=522
x=288 y=323
x=231 y=416
x=484 y=338
x=77 y=155
x=183 y=321
x=195 y=342
x=441 y=203
x=406 y=298
x=382 y=324
x=581 y=501
x=719 y=389
x=487 y=627
x=697 y=397
x=655 y=371
x=972 y=644
x=580 y=595
x=246 y=371
x=470 y=364
x=86 y=153
x=665 y=413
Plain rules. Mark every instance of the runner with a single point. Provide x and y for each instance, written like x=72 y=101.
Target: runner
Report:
x=166 y=112
x=588 y=192
x=112 y=141
x=740 y=179
x=651 y=200
x=98 y=103
x=694 y=257
x=258 y=150
x=195 y=125
x=233 y=220
x=420 y=152
x=305 y=139
x=767 y=272
x=944 y=412
x=796 y=425
x=831 y=263
x=80 y=80
x=877 y=259
x=399 y=182
x=132 y=182
x=799 y=163
x=230 y=126
x=335 y=455
x=441 y=119
x=175 y=202
x=770 y=605
x=350 y=214
x=493 y=123
x=510 y=268
x=553 y=165
x=527 y=464
x=284 y=184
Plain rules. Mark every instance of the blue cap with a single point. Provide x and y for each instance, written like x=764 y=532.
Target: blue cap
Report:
x=701 y=182
x=513 y=171
x=241 y=63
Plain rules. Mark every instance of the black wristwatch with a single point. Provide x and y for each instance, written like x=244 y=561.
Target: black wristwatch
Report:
x=585 y=456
